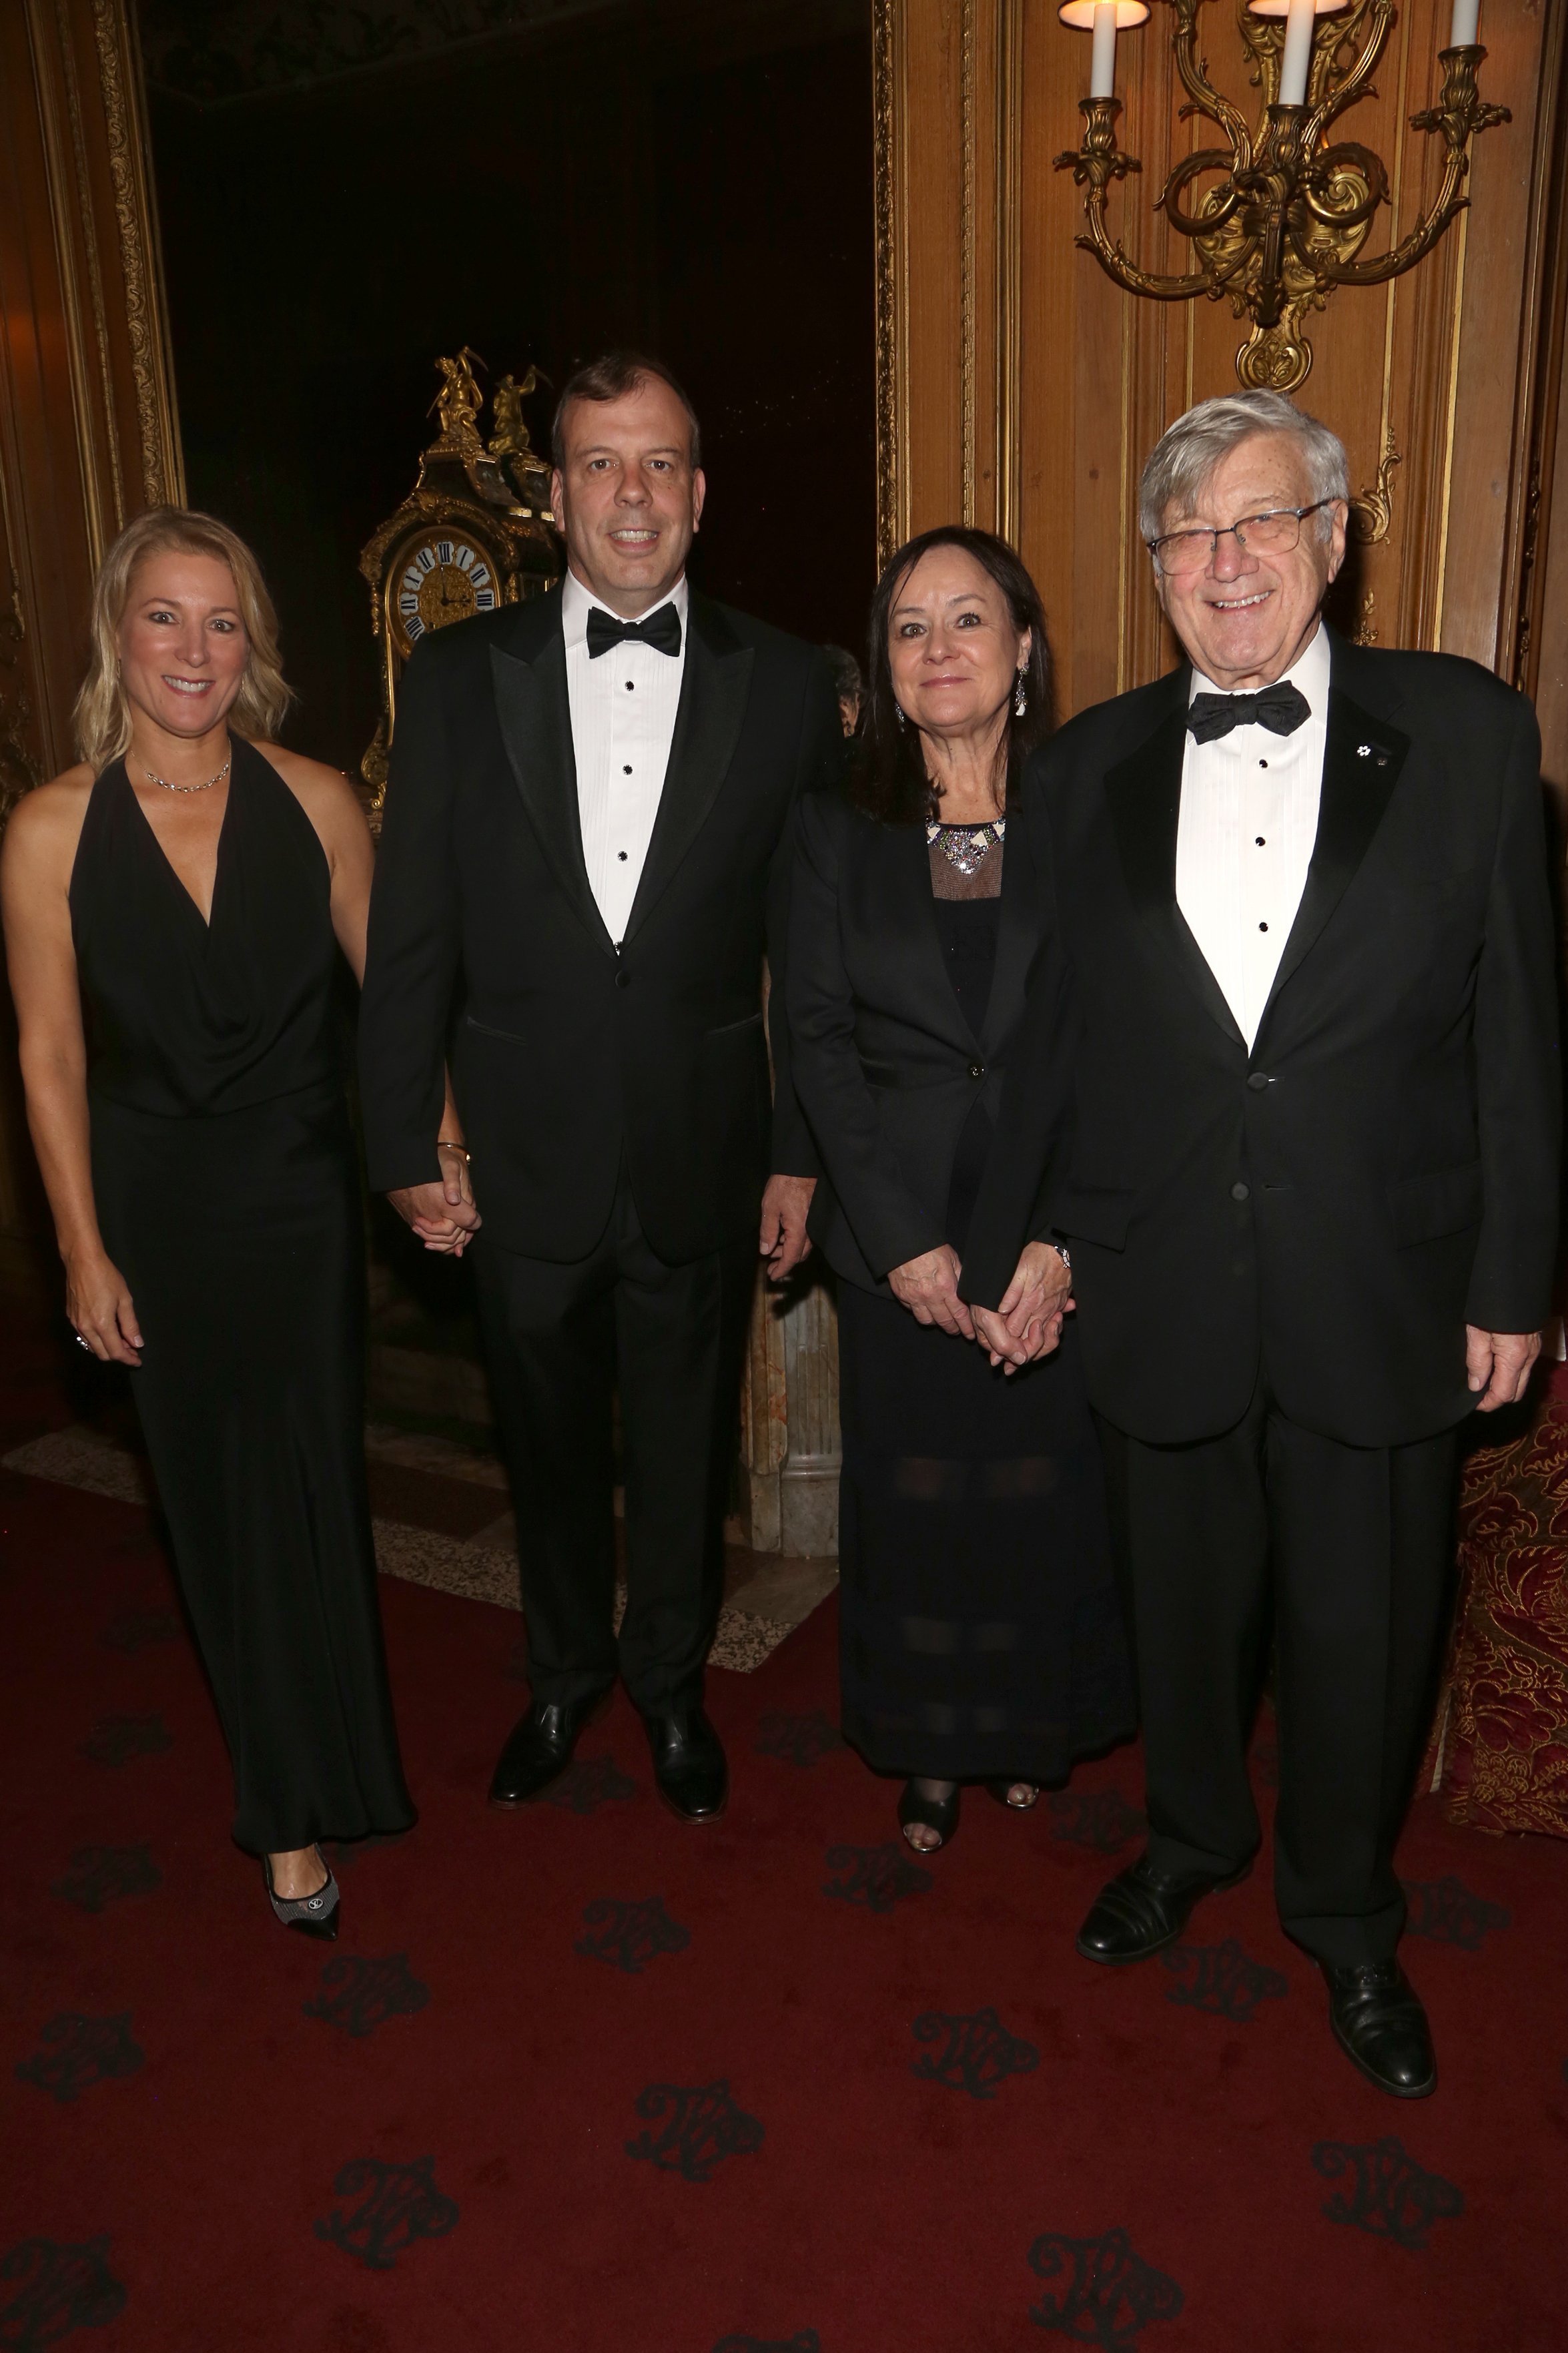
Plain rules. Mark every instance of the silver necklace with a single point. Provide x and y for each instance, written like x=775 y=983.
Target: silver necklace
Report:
x=211 y=781
x=967 y=847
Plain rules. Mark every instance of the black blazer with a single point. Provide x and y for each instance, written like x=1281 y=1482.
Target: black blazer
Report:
x=885 y=1064
x=569 y=1055
x=1383 y=1167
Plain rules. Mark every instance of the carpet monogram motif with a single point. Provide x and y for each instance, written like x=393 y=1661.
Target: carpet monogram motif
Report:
x=1221 y=1979
x=396 y=2205
x=116 y=1739
x=1100 y=1819
x=1385 y=2192
x=99 y=1874
x=700 y=2127
x=361 y=1994
x=976 y=2053
x=50 y=2288
x=588 y=1783
x=78 y=2051
x=877 y=1876
x=1100 y=2293
x=798 y=1739
x=1445 y=1910
x=135 y=1630
x=630 y=1935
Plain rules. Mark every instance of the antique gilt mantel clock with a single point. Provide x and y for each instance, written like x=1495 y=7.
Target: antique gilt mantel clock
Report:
x=475 y=531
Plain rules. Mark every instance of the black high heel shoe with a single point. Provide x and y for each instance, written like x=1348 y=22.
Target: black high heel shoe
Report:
x=312 y=1915
x=938 y=1814
x=1001 y=1786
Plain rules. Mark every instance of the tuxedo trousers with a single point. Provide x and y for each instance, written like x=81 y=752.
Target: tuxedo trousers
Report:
x=1346 y=1553
x=561 y=1340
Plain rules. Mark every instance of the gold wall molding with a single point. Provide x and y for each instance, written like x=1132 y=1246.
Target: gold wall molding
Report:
x=968 y=266
x=77 y=248
x=1371 y=509
x=892 y=275
x=135 y=214
x=1009 y=238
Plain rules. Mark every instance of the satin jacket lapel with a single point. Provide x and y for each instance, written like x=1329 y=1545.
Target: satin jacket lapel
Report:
x=713 y=691
x=535 y=717
x=1144 y=794
x=1017 y=937
x=1362 y=761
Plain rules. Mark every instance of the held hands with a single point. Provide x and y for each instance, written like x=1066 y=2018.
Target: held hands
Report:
x=928 y=1287
x=1497 y=1365
x=99 y=1307
x=443 y=1215
x=1029 y=1321
x=783 y=1239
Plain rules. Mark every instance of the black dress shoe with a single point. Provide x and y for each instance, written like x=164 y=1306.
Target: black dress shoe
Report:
x=1143 y=1910
x=540 y=1749
x=1379 y=2023
x=688 y=1768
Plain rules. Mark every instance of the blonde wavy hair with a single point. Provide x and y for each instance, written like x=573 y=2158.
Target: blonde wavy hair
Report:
x=102 y=714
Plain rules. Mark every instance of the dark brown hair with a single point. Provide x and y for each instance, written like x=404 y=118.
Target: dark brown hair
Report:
x=889 y=780
x=611 y=377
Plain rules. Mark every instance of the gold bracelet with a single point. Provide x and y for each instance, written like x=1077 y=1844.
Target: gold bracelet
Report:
x=445 y=1144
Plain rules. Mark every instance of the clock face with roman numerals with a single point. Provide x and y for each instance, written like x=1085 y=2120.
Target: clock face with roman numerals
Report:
x=438 y=579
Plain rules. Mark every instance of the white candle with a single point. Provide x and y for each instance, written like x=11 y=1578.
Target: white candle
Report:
x=1102 y=63
x=1298 y=57
x=1465 y=29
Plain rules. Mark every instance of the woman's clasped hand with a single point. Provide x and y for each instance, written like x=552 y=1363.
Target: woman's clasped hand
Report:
x=1027 y=1323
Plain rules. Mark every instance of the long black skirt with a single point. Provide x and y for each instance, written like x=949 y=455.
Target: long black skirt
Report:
x=980 y=1629
x=240 y=1238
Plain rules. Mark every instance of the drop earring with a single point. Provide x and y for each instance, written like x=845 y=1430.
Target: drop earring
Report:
x=898 y=716
x=1020 y=698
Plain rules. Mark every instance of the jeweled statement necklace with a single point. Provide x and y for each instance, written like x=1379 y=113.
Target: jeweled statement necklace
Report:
x=967 y=847
x=211 y=781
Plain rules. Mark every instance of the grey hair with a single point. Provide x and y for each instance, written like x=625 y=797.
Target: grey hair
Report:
x=1188 y=451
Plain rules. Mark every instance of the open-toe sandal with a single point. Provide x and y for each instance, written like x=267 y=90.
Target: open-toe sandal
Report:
x=938 y=1814
x=1000 y=1786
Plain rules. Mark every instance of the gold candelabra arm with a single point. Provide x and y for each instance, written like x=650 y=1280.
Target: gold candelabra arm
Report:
x=1357 y=82
x=1202 y=97
x=1097 y=163
x=1459 y=115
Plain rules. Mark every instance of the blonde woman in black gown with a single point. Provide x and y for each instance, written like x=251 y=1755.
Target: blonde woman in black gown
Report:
x=174 y=907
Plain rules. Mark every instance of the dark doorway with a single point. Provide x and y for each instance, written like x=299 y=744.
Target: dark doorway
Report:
x=348 y=190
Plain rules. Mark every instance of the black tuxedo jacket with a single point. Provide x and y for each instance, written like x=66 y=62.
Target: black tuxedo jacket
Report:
x=1383 y=1167
x=885 y=1064
x=569 y=1056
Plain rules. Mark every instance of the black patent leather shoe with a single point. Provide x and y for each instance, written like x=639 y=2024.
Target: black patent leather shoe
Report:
x=1379 y=2023
x=689 y=1768
x=1143 y=1910
x=540 y=1749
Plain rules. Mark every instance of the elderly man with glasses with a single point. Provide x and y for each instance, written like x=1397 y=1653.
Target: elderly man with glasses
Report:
x=1311 y=1193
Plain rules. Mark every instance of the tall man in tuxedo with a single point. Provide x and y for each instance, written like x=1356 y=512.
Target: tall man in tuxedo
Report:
x=1311 y=1195
x=585 y=836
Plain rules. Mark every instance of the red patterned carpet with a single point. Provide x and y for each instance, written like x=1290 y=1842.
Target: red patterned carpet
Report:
x=583 y=2079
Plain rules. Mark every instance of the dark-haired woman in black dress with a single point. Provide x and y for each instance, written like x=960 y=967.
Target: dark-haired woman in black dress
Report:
x=174 y=911
x=982 y=1638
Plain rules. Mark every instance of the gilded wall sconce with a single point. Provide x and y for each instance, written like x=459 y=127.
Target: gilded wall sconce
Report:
x=1286 y=209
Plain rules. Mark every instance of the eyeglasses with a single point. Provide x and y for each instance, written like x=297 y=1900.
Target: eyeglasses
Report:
x=1180 y=553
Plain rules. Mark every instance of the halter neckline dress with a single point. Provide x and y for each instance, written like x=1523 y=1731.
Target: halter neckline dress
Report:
x=228 y=1192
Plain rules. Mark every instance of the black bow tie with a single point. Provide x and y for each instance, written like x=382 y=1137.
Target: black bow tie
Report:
x=1280 y=708
x=661 y=630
